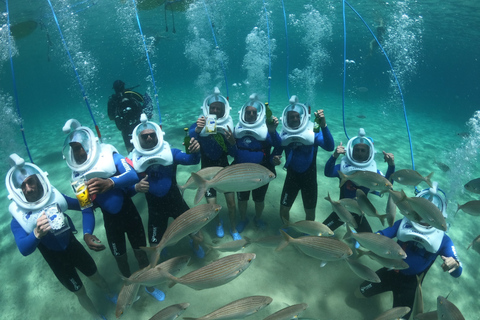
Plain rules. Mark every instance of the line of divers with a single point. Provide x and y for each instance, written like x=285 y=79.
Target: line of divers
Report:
x=151 y=169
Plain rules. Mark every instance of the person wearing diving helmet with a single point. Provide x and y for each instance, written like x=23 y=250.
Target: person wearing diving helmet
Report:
x=359 y=155
x=255 y=138
x=213 y=130
x=156 y=164
x=300 y=143
x=108 y=176
x=422 y=244
x=38 y=221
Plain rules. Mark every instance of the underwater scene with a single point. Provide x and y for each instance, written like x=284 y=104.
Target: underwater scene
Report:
x=407 y=72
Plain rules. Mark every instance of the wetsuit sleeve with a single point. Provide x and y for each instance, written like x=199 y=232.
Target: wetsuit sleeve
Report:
x=448 y=250
x=126 y=176
x=191 y=131
x=88 y=217
x=180 y=157
x=331 y=170
x=26 y=243
x=72 y=203
x=276 y=140
x=390 y=171
x=325 y=140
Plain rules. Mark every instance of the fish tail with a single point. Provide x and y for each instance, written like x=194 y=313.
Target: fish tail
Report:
x=343 y=178
x=181 y=188
x=286 y=223
x=382 y=219
x=173 y=279
x=285 y=242
x=428 y=179
x=202 y=187
x=153 y=254
x=349 y=233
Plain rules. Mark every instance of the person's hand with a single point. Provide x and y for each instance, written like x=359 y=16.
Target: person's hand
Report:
x=43 y=226
x=449 y=264
x=320 y=115
x=201 y=122
x=143 y=186
x=389 y=158
x=277 y=160
x=339 y=150
x=229 y=135
x=272 y=127
x=93 y=242
x=99 y=185
x=194 y=146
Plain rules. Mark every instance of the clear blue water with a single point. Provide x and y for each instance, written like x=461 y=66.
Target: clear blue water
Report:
x=432 y=48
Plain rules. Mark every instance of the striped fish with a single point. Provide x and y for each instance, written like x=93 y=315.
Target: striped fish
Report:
x=231 y=245
x=126 y=297
x=367 y=207
x=342 y=212
x=235 y=178
x=394 y=264
x=377 y=243
x=362 y=271
x=394 y=313
x=288 y=312
x=206 y=173
x=188 y=222
x=217 y=273
x=447 y=310
x=367 y=179
x=322 y=248
x=154 y=276
x=313 y=228
x=172 y=312
x=237 y=309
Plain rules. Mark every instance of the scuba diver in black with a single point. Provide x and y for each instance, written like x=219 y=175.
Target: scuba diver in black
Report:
x=125 y=107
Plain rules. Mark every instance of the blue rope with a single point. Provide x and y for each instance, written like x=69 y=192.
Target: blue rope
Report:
x=15 y=85
x=269 y=53
x=149 y=64
x=344 y=69
x=394 y=75
x=76 y=73
x=286 y=39
x=216 y=46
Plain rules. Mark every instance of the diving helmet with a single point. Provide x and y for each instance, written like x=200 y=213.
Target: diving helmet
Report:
x=18 y=174
x=217 y=97
x=295 y=124
x=81 y=148
x=243 y=117
x=152 y=128
x=362 y=144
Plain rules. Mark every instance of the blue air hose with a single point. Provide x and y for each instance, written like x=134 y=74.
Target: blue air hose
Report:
x=287 y=50
x=216 y=46
x=393 y=72
x=149 y=64
x=15 y=85
x=76 y=73
x=269 y=53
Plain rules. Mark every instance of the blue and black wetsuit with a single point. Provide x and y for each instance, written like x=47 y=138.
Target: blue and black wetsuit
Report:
x=403 y=283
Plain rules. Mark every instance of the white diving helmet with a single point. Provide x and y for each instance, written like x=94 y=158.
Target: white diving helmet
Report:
x=438 y=198
x=84 y=136
x=17 y=174
x=144 y=125
x=257 y=128
x=360 y=139
x=224 y=120
x=302 y=110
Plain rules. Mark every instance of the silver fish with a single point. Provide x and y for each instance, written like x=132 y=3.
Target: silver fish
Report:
x=405 y=208
x=447 y=310
x=154 y=276
x=396 y=264
x=322 y=248
x=313 y=228
x=394 y=313
x=362 y=271
x=188 y=222
x=231 y=245
x=126 y=298
x=172 y=312
x=216 y=273
x=391 y=210
x=235 y=178
x=367 y=179
x=418 y=306
x=237 y=309
x=432 y=315
x=342 y=212
x=475 y=245
x=351 y=205
x=379 y=244
x=470 y=207
x=288 y=312
x=473 y=186
x=428 y=211
x=206 y=173
x=367 y=206
x=410 y=177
